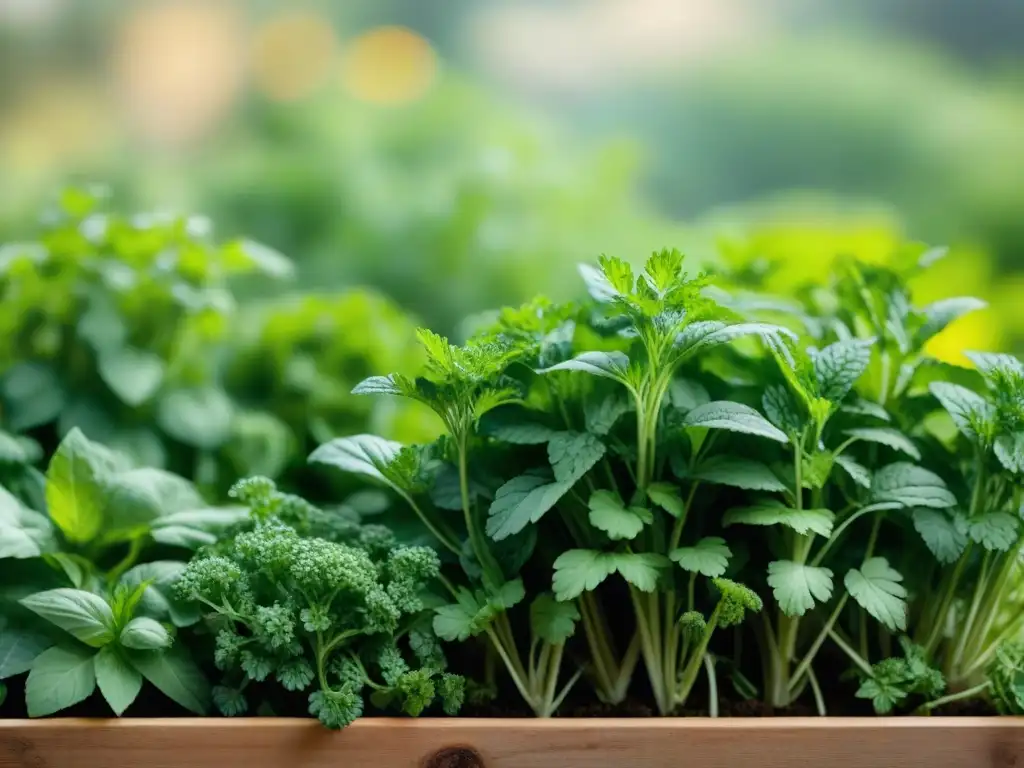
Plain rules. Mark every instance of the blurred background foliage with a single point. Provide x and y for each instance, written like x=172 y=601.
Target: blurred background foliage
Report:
x=423 y=162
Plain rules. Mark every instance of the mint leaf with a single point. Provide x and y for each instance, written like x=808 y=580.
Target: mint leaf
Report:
x=380 y=385
x=734 y=417
x=609 y=365
x=1009 y=449
x=134 y=375
x=708 y=557
x=83 y=615
x=572 y=454
x=32 y=395
x=860 y=474
x=687 y=394
x=796 y=586
x=60 y=678
x=666 y=496
x=862 y=407
x=176 y=675
x=522 y=433
x=971 y=413
x=75 y=497
x=838 y=366
x=993 y=363
x=521 y=501
x=910 y=486
x=707 y=334
x=939 y=314
x=941 y=535
x=552 y=621
x=781 y=409
x=773 y=512
x=18 y=648
x=739 y=473
x=995 y=531
x=144 y=634
x=119 y=682
x=877 y=589
x=609 y=514
x=601 y=415
x=367 y=455
x=888 y=437
x=23 y=532
x=598 y=286
x=160 y=600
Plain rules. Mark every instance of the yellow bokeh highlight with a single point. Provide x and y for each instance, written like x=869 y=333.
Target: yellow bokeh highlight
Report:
x=389 y=65
x=292 y=55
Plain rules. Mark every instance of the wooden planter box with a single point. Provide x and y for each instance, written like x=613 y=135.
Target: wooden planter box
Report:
x=482 y=743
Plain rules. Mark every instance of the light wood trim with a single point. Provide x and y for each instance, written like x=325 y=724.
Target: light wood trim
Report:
x=557 y=743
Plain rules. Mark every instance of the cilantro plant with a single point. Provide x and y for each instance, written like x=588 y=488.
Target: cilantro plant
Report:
x=337 y=619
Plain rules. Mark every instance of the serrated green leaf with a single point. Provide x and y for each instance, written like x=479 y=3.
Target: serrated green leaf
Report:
x=941 y=534
x=939 y=314
x=888 y=437
x=910 y=486
x=1009 y=449
x=609 y=514
x=733 y=417
x=380 y=385
x=359 y=454
x=667 y=496
x=597 y=284
x=522 y=433
x=995 y=531
x=609 y=365
x=772 y=512
x=176 y=675
x=602 y=414
x=580 y=570
x=968 y=409
x=118 y=681
x=707 y=334
x=862 y=407
x=708 y=557
x=781 y=409
x=860 y=474
x=60 y=678
x=641 y=569
x=521 y=501
x=838 y=366
x=83 y=615
x=572 y=454
x=134 y=375
x=877 y=589
x=797 y=586
x=739 y=473
x=552 y=621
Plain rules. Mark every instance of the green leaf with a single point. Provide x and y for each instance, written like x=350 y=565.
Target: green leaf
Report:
x=32 y=395
x=85 y=616
x=265 y=259
x=995 y=531
x=609 y=365
x=160 y=600
x=133 y=375
x=192 y=528
x=687 y=394
x=581 y=570
x=521 y=501
x=781 y=409
x=601 y=415
x=888 y=437
x=23 y=532
x=884 y=694
x=456 y=623
x=910 y=486
x=877 y=589
x=522 y=433
x=198 y=417
x=118 y=681
x=508 y=595
x=707 y=334
x=708 y=557
x=136 y=498
x=60 y=678
x=838 y=366
x=361 y=455
x=597 y=284
x=176 y=675
x=968 y=409
x=734 y=417
x=572 y=454
x=667 y=496
x=771 y=512
x=941 y=534
x=75 y=496
x=939 y=314
x=860 y=474
x=990 y=363
x=738 y=473
x=641 y=569
x=19 y=647
x=145 y=634
x=609 y=514
x=862 y=407
x=552 y=621
x=380 y=385
x=1009 y=449
x=797 y=586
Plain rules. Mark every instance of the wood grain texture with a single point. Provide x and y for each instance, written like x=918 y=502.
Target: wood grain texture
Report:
x=481 y=743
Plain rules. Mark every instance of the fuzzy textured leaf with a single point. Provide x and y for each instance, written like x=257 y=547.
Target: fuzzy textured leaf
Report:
x=877 y=589
x=521 y=501
x=803 y=521
x=734 y=417
x=838 y=366
x=888 y=437
x=739 y=473
x=572 y=454
x=552 y=621
x=796 y=586
x=610 y=365
x=609 y=514
x=941 y=534
x=910 y=486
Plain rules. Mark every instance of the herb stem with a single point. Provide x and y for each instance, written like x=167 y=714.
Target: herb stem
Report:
x=969 y=693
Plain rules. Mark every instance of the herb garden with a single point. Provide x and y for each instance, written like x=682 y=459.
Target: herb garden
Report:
x=677 y=496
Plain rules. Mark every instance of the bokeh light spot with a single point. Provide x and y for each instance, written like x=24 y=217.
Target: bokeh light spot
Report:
x=292 y=55
x=389 y=65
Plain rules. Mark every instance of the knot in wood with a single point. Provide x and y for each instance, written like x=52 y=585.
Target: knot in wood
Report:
x=454 y=757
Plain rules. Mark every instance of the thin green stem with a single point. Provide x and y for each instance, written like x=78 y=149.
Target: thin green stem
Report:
x=709 y=667
x=819 y=700
x=134 y=550
x=848 y=650
x=969 y=693
x=805 y=665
